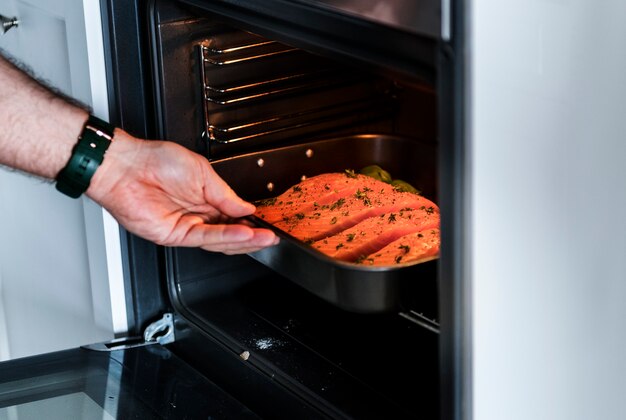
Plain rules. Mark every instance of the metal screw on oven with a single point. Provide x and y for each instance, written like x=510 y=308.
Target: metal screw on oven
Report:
x=309 y=153
x=270 y=186
x=260 y=162
x=245 y=355
x=7 y=23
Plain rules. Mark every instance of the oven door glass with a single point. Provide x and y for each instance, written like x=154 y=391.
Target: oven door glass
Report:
x=142 y=382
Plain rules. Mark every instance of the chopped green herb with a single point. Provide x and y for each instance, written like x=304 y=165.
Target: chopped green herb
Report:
x=297 y=188
x=392 y=218
x=360 y=195
x=362 y=258
x=333 y=220
x=350 y=237
x=405 y=248
x=430 y=210
x=350 y=173
x=267 y=202
x=337 y=204
x=299 y=216
x=398 y=259
x=289 y=203
x=419 y=235
x=326 y=187
x=339 y=246
x=309 y=241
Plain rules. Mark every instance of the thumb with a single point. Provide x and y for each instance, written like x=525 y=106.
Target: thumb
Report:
x=220 y=195
x=234 y=206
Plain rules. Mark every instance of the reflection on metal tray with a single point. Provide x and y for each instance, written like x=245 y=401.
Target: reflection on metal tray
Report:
x=353 y=287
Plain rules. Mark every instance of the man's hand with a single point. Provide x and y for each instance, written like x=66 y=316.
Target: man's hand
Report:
x=171 y=196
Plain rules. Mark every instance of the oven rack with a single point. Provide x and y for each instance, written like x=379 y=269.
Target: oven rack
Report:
x=263 y=88
x=253 y=88
x=322 y=117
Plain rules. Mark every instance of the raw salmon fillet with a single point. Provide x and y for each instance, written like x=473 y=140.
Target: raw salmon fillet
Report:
x=355 y=217
x=375 y=233
x=315 y=192
x=328 y=220
x=414 y=247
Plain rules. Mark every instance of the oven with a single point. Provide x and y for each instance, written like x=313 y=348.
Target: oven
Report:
x=272 y=93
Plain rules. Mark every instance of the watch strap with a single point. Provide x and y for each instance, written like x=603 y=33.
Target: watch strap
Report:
x=87 y=155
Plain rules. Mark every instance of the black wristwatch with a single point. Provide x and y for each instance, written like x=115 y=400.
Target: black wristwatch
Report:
x=87 y=155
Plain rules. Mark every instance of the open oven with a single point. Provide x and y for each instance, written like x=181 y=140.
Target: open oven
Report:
x=271 y=93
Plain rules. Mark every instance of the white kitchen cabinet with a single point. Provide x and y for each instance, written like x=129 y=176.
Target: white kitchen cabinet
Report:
x=60 y=263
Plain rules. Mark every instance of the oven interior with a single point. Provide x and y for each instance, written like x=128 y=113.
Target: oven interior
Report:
x=226 y=89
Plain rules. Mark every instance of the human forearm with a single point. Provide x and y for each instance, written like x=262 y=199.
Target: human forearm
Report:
x=39 y=129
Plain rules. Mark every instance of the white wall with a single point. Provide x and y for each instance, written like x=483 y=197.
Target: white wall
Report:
x=548 y=243
x=54 y=267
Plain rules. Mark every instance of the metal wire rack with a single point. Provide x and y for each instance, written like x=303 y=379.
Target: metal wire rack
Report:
x=253 y=88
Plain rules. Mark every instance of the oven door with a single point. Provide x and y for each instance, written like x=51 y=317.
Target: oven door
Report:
x=157 y=375
x=143 y=382
x=173 y=371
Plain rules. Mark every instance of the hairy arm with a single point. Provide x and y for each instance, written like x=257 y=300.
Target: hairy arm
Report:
x=155 y=189
x=39 y=129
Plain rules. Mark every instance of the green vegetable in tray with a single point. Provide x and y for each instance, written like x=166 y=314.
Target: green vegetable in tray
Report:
x=404 y=186
x=380 y=174
x=376 y=172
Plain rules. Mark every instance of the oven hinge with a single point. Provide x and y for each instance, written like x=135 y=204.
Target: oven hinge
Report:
x=161 y=331
x=158 y=332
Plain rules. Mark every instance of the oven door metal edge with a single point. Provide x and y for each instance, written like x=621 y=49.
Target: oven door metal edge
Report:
x=140 y=379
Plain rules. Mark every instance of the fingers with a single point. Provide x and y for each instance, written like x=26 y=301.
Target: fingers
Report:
x=229 y=239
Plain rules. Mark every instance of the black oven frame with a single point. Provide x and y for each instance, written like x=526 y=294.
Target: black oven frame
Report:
x=130 y=98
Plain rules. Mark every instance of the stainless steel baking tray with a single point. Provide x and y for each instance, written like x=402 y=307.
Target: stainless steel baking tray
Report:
x=354 y=287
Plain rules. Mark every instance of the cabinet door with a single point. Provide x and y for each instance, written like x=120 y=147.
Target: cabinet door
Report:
x=54 y=262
